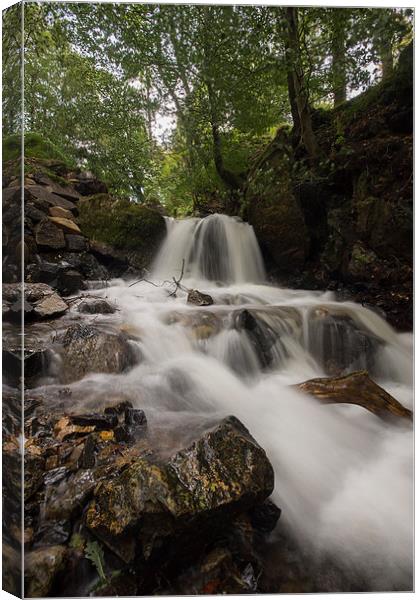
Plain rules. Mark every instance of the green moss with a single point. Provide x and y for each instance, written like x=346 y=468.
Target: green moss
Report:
x=35 y=147
x=120 y=223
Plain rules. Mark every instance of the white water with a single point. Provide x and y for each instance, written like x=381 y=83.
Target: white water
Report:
x=343 y=477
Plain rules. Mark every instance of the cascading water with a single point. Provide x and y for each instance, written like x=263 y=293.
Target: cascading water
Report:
x=343 y=477
x=217 y=248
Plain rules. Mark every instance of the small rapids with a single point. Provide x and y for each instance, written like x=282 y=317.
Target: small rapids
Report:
x=344 y=478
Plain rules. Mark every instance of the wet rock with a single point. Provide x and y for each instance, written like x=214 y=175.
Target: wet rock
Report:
x=41 y=568
x=356 y=388
x=52 y=533
x=86 y=349
x=35 y=357
x=135 y=418
x=105 y=421
x=70 y=281
x=66 y=224
x=220 y=475
x=198 y=298
x=69 y=498
x=76 y=243
x=264 y=517
x=48 y=236
x=40 y=300
x=66 y=429
x=50 y=306
x=96 y=306
x=339 y=344
x=216 y=573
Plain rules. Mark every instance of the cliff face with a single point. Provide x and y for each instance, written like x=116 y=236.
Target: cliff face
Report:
x=349 y=227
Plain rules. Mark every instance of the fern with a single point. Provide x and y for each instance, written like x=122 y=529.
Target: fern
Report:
x=95 y=554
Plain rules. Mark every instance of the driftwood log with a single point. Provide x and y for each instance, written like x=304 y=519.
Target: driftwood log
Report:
x=355 y=388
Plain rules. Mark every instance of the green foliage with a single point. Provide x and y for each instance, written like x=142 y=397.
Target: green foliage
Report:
x=95 y=554
x=100 y=78
x=120 y=223
x=35 y=147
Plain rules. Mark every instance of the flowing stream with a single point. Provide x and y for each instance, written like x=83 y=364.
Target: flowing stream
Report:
x=343 y=477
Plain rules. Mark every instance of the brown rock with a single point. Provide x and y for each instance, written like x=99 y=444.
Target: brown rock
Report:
x=59 y=211
x=47 y=235
x=41 y=568
x=356 y=388
x=76 y=243
x=42 y=195
x=66 y=224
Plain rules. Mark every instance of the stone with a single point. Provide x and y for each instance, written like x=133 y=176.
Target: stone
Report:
x=200 y=489
x=198 y=298
x=58 y=211
x=66 y=224
x=50 y=306
x=40 y=300
x=70 y=281
x=48 y=236
x=34 y=213
x=86 y=350
x=43 y=196
x=96 y=306
x=356 y=388
x=100 y=422
x=41 y=569
x=76 y=243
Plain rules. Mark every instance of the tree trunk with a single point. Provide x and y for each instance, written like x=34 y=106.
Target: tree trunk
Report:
x=387 y=60
x=228 y=177
x=299 y=90
x=338 y=51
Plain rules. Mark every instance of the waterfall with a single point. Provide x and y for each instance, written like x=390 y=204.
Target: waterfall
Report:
x=343 y=478
x=217 y=248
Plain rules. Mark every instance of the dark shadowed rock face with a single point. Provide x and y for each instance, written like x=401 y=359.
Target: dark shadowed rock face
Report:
x=273 y=210
x=89 y=350
x=224 y=473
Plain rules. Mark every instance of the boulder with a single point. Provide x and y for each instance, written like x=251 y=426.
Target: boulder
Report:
x=198 y=490
x=50 y=306
x=356 y=388
x=66 y=224
x=41 y=569
x=93 y=306
x=58 y=211
x=40 y=300
x=48 y=236
x=198 y=298
x=86 y=350
x=76 y=243
x=70 y=281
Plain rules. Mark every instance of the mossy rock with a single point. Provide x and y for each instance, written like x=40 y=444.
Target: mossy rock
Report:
x=35 y=147
x=134 y=229
x=273 y=209
x=199 y=490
